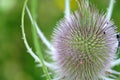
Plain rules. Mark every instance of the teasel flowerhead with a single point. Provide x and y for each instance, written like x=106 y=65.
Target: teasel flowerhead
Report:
x=85 y=44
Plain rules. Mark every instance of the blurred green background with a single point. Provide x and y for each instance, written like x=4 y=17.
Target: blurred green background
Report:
x=15 y=62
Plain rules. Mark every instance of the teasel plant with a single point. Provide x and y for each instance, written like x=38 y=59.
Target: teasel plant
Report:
x=84 y=44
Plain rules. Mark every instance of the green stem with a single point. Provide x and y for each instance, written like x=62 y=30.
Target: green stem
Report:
x=24 y=37
x=35 y=38
x=36 y=44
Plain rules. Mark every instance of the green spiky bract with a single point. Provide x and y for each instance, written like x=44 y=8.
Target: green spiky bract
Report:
x=85 y=44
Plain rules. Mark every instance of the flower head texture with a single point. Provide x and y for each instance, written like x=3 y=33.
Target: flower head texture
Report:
x=85 y=44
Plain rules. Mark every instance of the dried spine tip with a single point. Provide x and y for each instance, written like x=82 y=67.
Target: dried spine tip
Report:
x=85 y=45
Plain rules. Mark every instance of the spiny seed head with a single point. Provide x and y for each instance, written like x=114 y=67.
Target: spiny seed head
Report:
x=85 y=45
